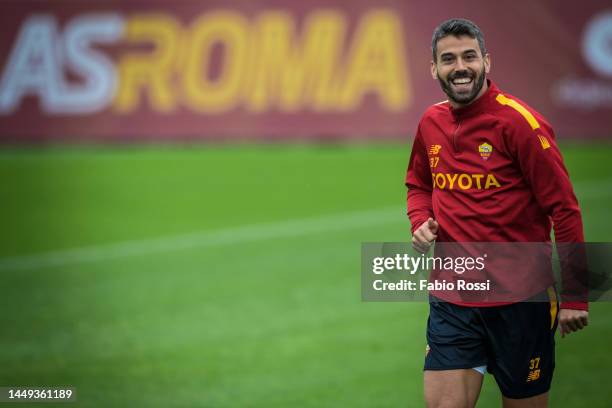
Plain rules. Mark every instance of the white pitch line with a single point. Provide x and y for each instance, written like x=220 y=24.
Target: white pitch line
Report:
x=202 y=239
x=247 y=233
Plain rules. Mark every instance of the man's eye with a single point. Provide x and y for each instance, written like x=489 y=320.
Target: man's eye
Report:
x=470 y=57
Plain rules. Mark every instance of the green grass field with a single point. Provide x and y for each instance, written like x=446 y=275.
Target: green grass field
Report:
x=229 y=276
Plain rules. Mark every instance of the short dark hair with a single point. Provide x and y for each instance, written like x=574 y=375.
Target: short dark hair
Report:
x=457 y=27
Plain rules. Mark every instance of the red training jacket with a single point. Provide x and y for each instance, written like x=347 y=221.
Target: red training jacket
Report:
x=491 y=172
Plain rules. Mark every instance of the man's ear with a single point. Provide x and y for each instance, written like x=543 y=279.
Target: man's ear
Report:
x=434 y=70
x=487 y=63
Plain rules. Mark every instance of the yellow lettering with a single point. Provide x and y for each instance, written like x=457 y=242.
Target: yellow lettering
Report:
x=290 y=73
x=466 y=183
x=478 y=178
x=491 y=181
x=204 y=91
x=441 y=184
x=376 y=63
x=149 y=70
x=451 y=180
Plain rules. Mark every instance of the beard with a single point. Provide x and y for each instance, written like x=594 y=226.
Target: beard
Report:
x=463 y=98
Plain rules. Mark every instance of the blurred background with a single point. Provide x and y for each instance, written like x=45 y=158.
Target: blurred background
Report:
x=185 y=187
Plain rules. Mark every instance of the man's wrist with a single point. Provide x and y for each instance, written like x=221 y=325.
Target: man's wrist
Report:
x=575 y=305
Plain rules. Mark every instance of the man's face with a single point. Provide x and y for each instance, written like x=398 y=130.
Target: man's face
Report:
x=461 y=68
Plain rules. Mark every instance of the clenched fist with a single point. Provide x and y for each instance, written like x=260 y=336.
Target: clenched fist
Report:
x=425 y=235
x=572 y=320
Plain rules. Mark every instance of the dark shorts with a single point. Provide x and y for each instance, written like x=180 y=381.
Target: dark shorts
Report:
x=515 y=342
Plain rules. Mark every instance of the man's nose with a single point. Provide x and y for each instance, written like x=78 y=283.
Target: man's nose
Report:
x=459 y=66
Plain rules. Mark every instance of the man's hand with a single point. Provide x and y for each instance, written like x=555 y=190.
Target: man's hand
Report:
x=572 y=320
x=425 y=235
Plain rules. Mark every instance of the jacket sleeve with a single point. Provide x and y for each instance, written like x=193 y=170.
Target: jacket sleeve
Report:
x=534 y=146
x=418 y=181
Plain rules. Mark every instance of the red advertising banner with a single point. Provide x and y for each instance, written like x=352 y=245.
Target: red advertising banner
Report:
x=131 y=70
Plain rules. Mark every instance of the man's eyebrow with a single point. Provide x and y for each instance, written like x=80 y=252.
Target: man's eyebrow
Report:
x=450 y=54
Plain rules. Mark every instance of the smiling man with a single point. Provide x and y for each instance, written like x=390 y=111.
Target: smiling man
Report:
x=485 y=168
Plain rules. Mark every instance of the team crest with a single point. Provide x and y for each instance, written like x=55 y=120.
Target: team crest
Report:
x=485 y=150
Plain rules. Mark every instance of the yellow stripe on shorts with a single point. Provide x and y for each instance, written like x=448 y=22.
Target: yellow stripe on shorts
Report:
x=552 y=296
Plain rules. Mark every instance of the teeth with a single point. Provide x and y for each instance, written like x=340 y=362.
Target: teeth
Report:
x=462 y=81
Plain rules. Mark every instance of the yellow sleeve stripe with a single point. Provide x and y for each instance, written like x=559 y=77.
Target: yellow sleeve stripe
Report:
x=520 y=109
x=544 y=142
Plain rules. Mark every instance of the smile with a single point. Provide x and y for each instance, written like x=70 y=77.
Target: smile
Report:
x=461 y=81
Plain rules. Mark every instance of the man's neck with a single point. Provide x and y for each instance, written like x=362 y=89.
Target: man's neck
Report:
x=482 y=91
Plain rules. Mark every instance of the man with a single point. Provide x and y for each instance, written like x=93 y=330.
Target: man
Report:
x=485 y=168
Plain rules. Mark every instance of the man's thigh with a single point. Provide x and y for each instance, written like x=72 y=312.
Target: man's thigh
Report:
x=452 y=388
x=539 y=401
x=515 y=342
x=456 y=344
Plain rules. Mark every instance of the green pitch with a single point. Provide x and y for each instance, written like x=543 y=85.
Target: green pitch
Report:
x=229 y=276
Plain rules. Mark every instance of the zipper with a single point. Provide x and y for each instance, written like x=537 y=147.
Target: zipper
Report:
x=455 y=136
